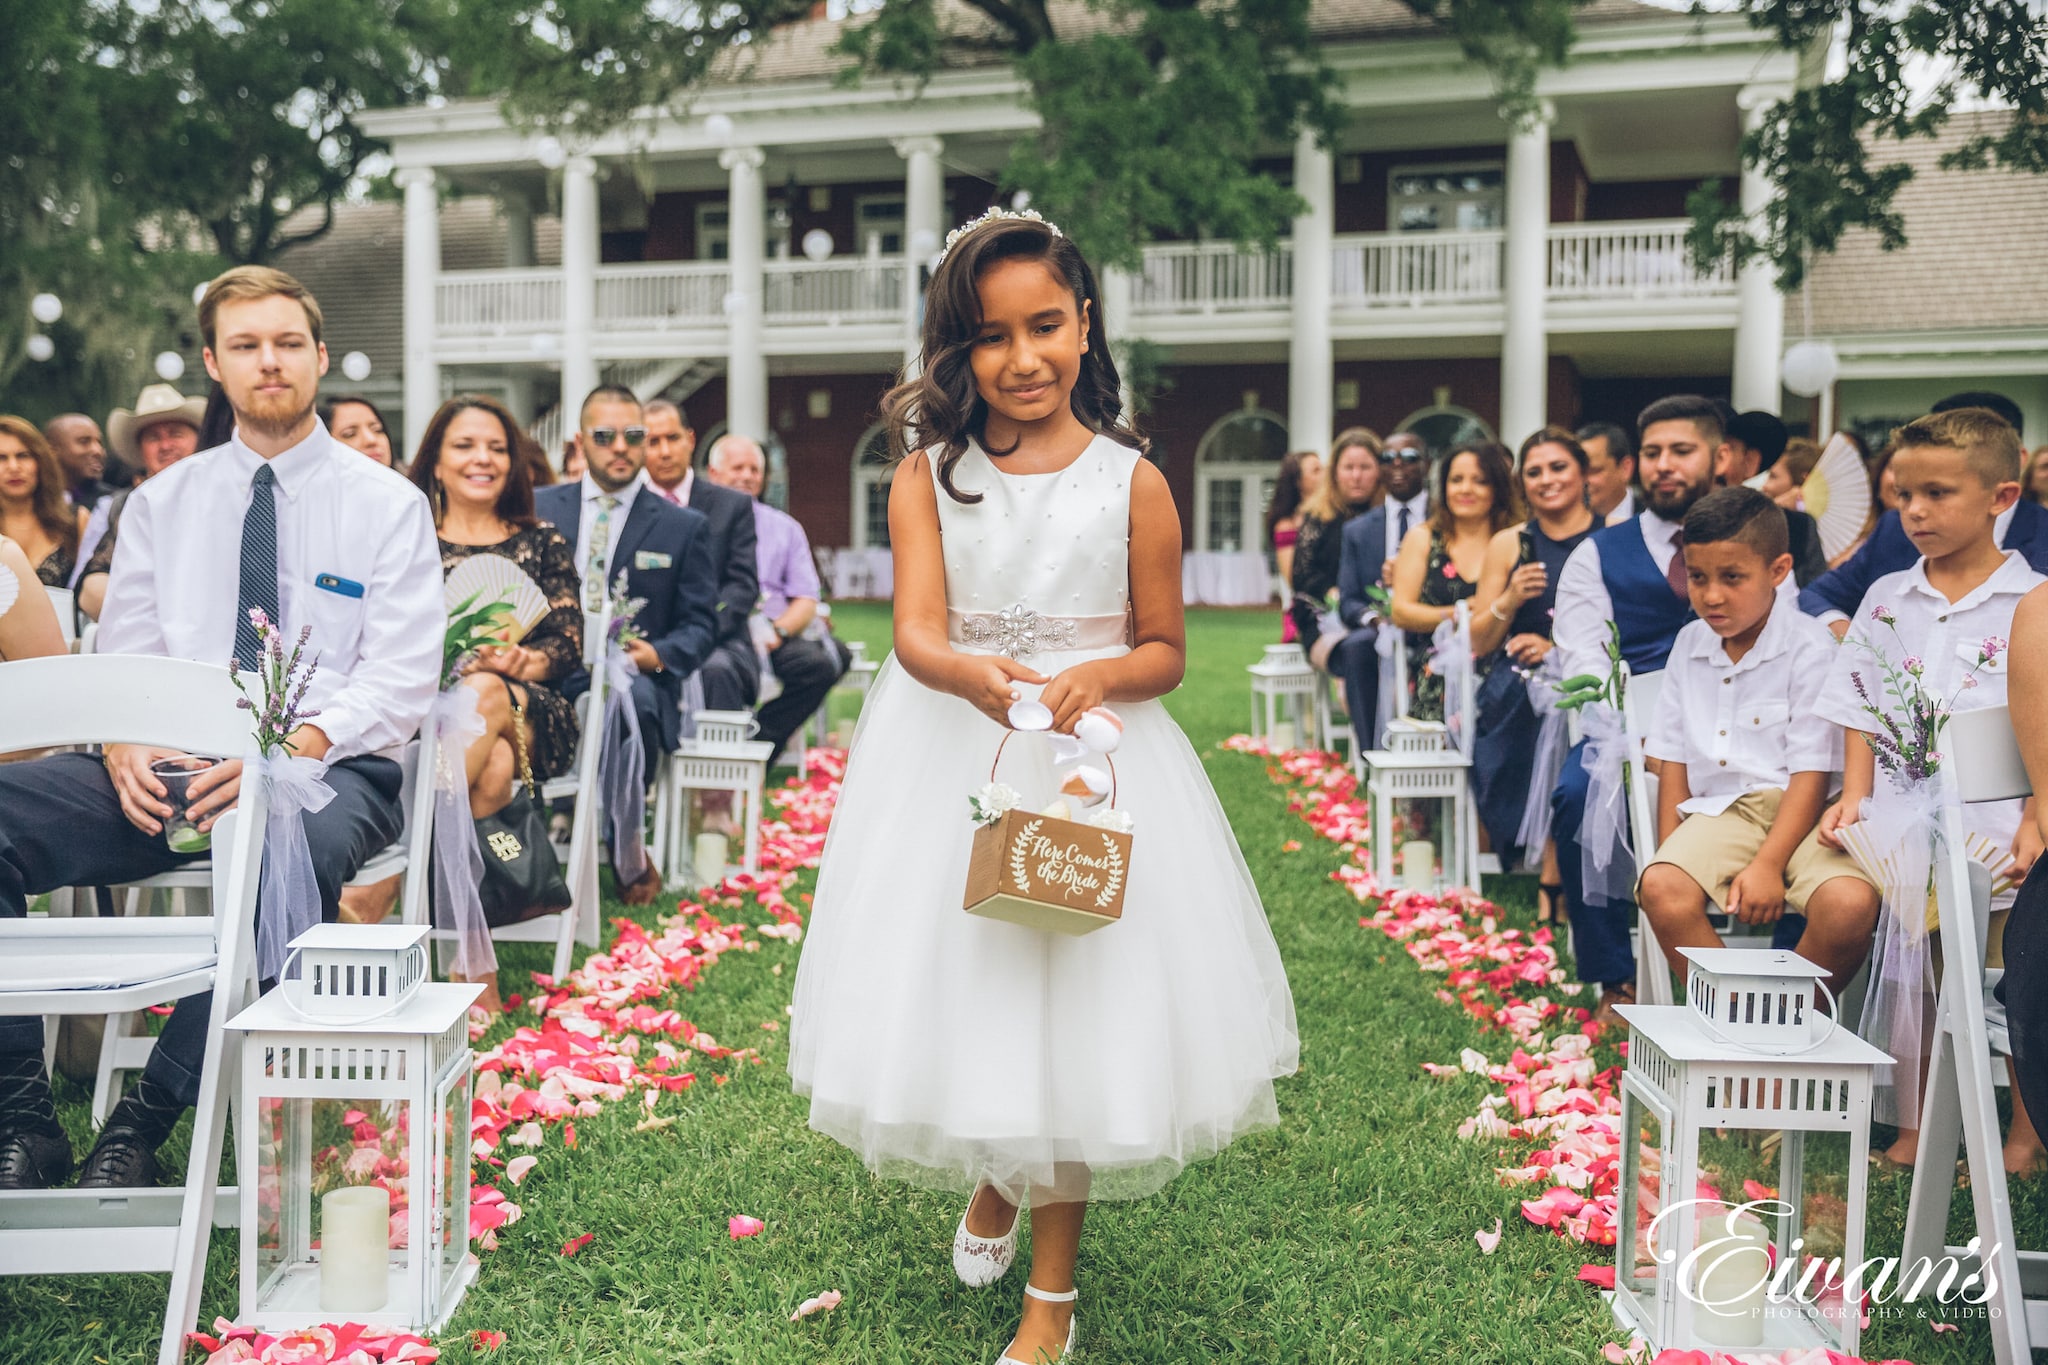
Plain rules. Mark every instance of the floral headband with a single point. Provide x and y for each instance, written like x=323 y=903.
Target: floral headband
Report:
x=993 y=215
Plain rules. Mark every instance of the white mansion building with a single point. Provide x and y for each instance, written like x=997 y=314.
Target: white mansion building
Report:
x=1452 y=274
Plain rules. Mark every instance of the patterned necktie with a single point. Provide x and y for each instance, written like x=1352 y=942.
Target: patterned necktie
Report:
x=1674 y=572
x=600 y=551
x=259 y=566
x=1402 y=534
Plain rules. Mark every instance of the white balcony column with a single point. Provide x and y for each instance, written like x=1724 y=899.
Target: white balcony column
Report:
x=579 y=284
x=518 y=211
x=1759 y=310
x=1524 y=339
x=1117 y=288
x=1311 y=367
x=924 y=225
x=422 y=377
x=746 y=374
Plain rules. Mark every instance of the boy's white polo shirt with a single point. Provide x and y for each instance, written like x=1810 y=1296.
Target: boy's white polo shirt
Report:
x=1747 y=725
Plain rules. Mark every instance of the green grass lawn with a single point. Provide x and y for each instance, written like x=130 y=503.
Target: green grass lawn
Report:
x=1344 y=1235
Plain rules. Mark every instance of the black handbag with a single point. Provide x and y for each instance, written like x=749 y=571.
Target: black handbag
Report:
x=522 y=877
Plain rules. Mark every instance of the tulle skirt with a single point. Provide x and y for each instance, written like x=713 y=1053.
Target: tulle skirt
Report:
x=948 y=1049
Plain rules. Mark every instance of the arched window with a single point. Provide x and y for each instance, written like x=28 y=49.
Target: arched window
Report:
x=872 y=472
x=1443 y=427
x=775 y=484
x=1237 y=463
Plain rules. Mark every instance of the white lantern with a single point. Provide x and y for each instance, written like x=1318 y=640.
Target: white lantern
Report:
x=39 y=347
x=1283 y=696
x=46 y=308
x=356 y=366
x=170 y=366
x=818 y=245
x=352 y=972
x=722 y=756
x=718 y=127
x=1810 y=367
x=355 y=1167
x=550 y=153
x=1700 y=1194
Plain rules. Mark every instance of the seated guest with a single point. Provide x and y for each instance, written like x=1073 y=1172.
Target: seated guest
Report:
x=1610 y=472
x=732 y=673
x=75 y=440
x=1785 y=482
x=356 y=423
x=2025 y=987
x=2037 y=476
x=28 y=621
x=1347 y=492
x=1747 y=759
x=1633 y=577
x=1756 y=442
x=1440 y=560
x=1368 y=542
x=1300 y=472
x=789 y=596
x=285 y=519
x=2022 y=526
x=1520 y=744
x=617 y=527
x=162 y=429
x=33 y=511
x=1958 y=474
x=483 y=505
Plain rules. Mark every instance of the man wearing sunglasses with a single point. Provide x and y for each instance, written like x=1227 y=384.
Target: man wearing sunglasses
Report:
x=618 y=526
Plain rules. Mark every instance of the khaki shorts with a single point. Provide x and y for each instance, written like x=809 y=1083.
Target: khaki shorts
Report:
x=1712 y=849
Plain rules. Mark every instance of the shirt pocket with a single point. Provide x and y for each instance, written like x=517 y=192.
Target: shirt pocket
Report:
x=1969 y=653
x=1760 y=735
x=337 y=622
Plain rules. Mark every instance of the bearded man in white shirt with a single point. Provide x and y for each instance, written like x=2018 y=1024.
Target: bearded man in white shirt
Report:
x=284 y=518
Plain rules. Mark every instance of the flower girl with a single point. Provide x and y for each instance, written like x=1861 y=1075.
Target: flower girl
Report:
x=1037 y=558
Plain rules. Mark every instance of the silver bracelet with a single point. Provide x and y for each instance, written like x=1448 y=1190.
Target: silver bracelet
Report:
x=1493 y=610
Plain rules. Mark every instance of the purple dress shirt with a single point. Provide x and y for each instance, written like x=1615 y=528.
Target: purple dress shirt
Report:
x=783 y=554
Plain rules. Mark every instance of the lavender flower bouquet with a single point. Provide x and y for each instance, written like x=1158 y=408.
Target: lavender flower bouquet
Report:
x=283 y=685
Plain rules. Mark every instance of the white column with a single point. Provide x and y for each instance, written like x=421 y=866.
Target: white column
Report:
x=422 y=377
x=579 y=284
x=924 y=224
x=1759 y=310
x=1117 y=287
x=1524 y=342
x=746 y=372
x=518 y=229
x=1311 y=406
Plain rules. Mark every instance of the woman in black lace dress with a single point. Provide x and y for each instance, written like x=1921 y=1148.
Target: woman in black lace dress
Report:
x=1439 y=563
x=483 y=505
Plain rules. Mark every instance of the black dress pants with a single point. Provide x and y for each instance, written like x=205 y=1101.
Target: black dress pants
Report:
x=807 y=668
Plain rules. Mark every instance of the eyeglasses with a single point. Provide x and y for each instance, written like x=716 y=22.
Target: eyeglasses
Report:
x=609 y=436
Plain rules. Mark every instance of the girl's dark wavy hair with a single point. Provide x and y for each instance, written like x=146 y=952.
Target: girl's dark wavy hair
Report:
x=941 y=407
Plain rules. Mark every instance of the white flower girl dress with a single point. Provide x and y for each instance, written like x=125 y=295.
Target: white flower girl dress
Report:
x=950 y=1049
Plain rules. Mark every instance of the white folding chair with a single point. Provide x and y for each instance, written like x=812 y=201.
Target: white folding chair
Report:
x=125 y=1047
x=1957 y=1104
x=67 y=614
x=90 y=965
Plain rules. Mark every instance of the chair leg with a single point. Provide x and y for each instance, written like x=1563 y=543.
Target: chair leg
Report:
x=1941 y=1134
x=1653 y=973
x=751 y=859
x=222 y=1059
x=106 y=1089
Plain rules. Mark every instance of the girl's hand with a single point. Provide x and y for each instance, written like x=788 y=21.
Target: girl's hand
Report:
x=1528 y=650
x=986 y=682
x=1072 y=692
x=2026 y=847
x=1526 y=583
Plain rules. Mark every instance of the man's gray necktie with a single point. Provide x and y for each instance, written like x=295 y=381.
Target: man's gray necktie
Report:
x=259 y=566
x=1403 y=533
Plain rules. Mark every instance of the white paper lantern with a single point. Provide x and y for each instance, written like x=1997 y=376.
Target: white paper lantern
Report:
x=1810 y=367
x=40 y=347
x=818 y=244
x=356 y=366
x=199 y=291
x=550 y=153
x=1021 y=200
x=718 y=127
x=170 y=366
x=545 y=343
x=923 y=242
x=46 y=308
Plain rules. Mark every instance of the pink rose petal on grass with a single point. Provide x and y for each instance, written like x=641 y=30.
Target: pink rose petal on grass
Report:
x=741 y=1225
x=823 y=1303
x=1488 y=1240
x=528 y=1135
x=485 y=1339
x=576 y=1244
x=1599 y=1276
x=1945 y=1326
x=517 y=1168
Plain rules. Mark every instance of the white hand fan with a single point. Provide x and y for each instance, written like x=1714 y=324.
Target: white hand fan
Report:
x=1837 y=495
x=494 y=578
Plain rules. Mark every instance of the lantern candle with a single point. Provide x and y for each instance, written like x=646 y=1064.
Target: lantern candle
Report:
x=1283 y=737
x=355 y=1236
x=1735 y=1269
x=1418 y=865
x=710 y=860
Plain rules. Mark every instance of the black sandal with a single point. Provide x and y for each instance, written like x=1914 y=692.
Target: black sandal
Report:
x=1549 y=896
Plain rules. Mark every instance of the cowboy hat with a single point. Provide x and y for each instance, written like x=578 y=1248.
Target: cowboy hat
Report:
x=158 y=403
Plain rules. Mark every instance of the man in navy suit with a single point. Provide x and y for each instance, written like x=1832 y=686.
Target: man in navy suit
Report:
x=1370 y=541
x=616 y=524
x=1835 y=595
x=732 y=671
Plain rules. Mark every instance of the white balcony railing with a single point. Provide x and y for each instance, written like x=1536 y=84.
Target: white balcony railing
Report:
x=475 y=303
x=866 y=290
x=1213 y=277
x=662 y=295
x=1411 y=270
x=1599 y=261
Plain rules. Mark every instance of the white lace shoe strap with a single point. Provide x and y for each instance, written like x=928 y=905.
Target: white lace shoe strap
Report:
x=1035 y=1292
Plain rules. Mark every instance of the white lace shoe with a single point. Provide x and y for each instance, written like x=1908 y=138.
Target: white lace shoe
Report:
x=1066 y=1352
x=980 y=1261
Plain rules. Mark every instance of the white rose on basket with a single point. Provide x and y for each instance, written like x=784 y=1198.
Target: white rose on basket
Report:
x=993 y=802
x=1111 y=819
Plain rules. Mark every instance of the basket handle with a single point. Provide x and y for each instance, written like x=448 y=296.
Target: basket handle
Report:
x=994 y=763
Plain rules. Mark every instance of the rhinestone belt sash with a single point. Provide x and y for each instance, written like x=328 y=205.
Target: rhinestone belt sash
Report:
x=1019 y=632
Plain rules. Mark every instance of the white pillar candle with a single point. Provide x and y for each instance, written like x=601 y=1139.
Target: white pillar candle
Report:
x=1418 y=865
x=355 y=1237
x=1283 y=736
x=1734 y=1273
x=710 y=859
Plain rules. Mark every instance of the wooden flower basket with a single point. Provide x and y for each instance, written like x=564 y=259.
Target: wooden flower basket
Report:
x=1063 y=876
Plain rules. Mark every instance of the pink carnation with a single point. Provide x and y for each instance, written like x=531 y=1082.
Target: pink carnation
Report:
x=1994 y=645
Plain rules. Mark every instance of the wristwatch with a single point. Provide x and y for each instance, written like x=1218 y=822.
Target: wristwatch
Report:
x=780 y=634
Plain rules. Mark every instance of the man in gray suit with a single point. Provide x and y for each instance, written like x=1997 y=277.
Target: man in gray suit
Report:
x=1370 y=543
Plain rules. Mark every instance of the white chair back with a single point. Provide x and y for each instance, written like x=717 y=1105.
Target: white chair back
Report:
x=122 y=699
x=1985 y=756
x=66 y=606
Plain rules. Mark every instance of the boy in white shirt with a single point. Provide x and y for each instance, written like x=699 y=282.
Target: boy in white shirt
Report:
x=1747 y=761
x=1945 y=622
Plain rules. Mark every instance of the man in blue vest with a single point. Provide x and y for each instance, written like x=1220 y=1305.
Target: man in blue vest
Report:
x=1834 y=596
x=1633 y=575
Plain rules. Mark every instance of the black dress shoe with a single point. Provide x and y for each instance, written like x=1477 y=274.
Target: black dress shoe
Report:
x=33 y=1160
x=122 y=1159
